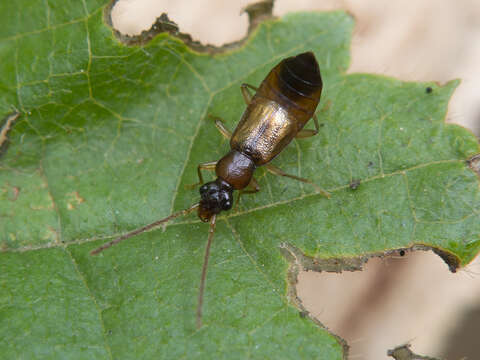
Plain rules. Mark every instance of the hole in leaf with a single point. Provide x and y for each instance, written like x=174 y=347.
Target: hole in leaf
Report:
x=409 y=297
x=223 y=25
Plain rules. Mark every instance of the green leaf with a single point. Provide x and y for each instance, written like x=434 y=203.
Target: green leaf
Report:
x=109 y=136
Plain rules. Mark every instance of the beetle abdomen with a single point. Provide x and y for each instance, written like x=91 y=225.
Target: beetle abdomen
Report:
x=296 y=84
x=300 y=75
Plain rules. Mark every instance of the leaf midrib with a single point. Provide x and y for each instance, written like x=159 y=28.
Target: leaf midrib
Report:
x=228 y=216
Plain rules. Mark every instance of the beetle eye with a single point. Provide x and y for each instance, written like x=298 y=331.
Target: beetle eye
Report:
x=203 y=189
x=226 y=202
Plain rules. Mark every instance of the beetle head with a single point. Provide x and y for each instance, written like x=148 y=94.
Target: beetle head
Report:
x=216 y=196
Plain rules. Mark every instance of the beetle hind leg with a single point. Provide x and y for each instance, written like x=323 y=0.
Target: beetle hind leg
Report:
x=277 y=171
x=305 y=133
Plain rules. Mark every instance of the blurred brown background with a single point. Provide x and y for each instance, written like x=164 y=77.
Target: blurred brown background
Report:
x=395 y=300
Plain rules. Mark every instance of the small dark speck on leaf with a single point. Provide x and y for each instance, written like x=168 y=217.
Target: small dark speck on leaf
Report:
x=429 y=90
x=402 y=252
x=370 y=163
x=303 y=314
x=354 y=184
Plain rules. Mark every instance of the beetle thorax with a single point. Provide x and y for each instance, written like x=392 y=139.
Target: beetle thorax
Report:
x=236 y=169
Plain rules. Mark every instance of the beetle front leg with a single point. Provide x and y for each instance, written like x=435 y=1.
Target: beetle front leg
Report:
x=203 y=166
x=251 y=188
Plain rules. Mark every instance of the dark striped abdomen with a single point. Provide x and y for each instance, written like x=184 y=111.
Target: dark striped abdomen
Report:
x=296 y=84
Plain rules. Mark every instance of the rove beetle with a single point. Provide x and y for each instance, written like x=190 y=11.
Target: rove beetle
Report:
x=285 y=101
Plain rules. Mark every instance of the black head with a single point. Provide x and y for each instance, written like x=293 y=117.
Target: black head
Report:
x=216 y=196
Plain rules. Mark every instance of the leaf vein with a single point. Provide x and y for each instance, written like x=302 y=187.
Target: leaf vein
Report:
x=92 y=297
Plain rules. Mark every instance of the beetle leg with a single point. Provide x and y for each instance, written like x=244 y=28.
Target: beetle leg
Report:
x=277 y=171
x=221 y=127
x=203 y=166
x=251 y=188
x=247 y=95
x=254 y=187
x=305 y=133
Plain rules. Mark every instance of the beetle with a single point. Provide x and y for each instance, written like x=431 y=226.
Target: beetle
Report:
x=276 y=114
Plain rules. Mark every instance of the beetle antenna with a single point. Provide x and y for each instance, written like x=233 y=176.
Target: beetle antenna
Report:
x=211 y=231
x=143 y=229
